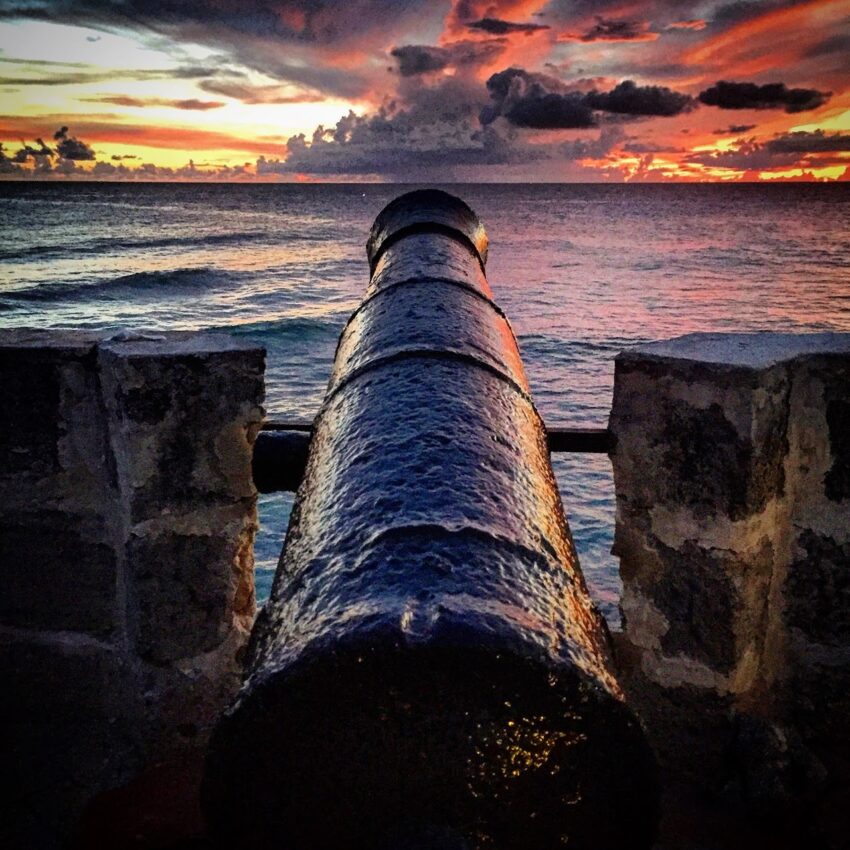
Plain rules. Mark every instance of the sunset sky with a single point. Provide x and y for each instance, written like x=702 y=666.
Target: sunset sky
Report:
x=564 y=90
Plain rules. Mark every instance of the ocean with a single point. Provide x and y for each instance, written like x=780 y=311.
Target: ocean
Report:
x=582 y=271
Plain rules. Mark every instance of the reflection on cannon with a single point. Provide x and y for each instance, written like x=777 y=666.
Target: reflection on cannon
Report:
x=429 y=670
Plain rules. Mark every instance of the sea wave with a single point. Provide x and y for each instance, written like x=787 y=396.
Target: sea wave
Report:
x=112 y=245
x=302 y=328
x=161 y=284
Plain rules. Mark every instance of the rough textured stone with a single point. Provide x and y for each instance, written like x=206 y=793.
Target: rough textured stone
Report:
x=187 y=587
x=57 y=558
x=732 y=476
x=127 y=515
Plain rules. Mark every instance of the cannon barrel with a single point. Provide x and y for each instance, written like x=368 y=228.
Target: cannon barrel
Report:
x=429 y=669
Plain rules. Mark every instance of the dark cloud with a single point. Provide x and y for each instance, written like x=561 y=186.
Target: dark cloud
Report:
x=49 y=63
x=117 y=157
x=537 y=101
x=642 y=148
x=729 y=14
x=799 y=149
x=285 y=39
x=38 y=154
x=729 y=95
x=7 y=165
x=307 y=21
x=540 y=101
x=628 y=98
x=417 y=59
x=612 y=29
x=747 y=155
x=496 y=26
x=804 y=143
x=71 y=148
x=252 y=94
x=735 y=128
x=191 y=104
x=61 y=77
x=608 y=139
x=837 y=43
x=414 y=59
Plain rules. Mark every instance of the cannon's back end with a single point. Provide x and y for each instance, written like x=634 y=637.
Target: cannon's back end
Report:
x=429 y=662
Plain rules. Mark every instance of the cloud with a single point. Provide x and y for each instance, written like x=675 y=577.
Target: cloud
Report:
x=537 y=101
x=694 y=24
x=798 y=149
x=837 y=43
x=496 y=26
x=729 y=14
x=190 y=104
x=735 y=128
x=109 y=129
x=816 y=142
x=8 y=166
x=641 y=148
x=417 y=59
x=252 y=94
x=612 y=29
x=414 y=59
x=313 y=43
x=429 y=127
x=608 y=139
x=71 y=148
x=729 y=95
x=541 y=101
x=747 y=155
x=628 y=98
x=26 y=152
x=56 y=74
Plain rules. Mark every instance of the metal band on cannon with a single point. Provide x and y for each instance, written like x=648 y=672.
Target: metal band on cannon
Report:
x=429 y=662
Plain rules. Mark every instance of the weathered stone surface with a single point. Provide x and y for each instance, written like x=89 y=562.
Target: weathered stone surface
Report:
x=733 y=529
x=57 y=559
x=127 y=515
x=188 y=587
x=186 y=413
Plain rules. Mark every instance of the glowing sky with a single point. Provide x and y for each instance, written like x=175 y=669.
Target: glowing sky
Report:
x=559 y=90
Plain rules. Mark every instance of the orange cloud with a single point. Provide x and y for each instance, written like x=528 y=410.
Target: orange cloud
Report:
x=98 y=131
x=772 y=40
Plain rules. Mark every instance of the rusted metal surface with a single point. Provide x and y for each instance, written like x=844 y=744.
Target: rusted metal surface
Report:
x=429 y=653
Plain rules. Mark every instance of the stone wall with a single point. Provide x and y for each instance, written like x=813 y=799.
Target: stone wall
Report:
x=732 y=476
x=127 y=518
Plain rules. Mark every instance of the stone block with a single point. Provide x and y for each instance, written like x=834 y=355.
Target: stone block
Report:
x=184 y=410
x=189 y=585
x=53 y=447
x=127 y=516
x=731 y=471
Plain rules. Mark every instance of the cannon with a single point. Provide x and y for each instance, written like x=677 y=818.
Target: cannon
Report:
x=429 y=670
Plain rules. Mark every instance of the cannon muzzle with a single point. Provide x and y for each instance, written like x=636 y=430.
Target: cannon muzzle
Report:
x=429 y=662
